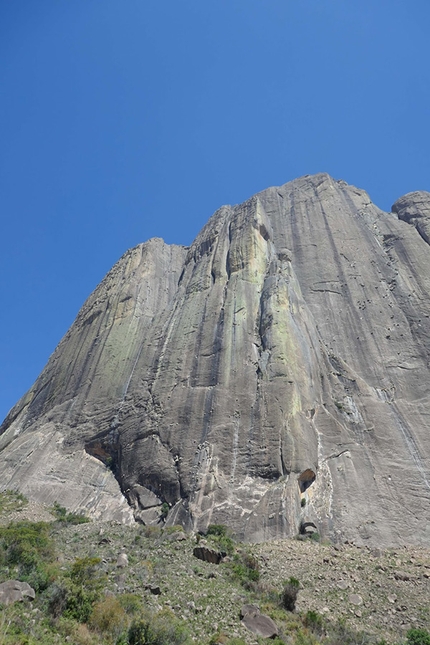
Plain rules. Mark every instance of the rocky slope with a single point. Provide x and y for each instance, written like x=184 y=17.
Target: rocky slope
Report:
x=382 y=593
x=275 y=372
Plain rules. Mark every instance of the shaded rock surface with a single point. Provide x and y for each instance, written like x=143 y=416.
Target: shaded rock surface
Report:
x=261 y=625
x=283 y=356
x=207 y=554
x=249 y=609
x=15 y=591
x=122 y=560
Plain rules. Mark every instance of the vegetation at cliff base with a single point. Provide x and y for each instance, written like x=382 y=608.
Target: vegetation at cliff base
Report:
x=108 y=584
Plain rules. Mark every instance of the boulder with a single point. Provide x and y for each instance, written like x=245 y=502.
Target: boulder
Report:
x=207 y=554
x=249 y=609
x=15 y=591
x=355 y=599
x=122 y=561
x=260 y=624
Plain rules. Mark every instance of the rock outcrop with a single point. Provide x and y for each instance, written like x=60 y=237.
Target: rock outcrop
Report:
x=207 y=554
x=276 y=370
x=12 y=591
x=258 y=623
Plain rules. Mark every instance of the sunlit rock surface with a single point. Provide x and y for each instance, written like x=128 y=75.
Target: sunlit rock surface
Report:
x=273 y=375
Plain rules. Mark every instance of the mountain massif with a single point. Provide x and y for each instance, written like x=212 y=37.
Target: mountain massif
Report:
x=273 y=376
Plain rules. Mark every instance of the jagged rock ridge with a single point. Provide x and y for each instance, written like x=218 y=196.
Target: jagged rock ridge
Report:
x=282 y=357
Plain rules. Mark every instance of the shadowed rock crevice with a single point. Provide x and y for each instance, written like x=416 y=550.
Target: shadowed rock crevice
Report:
x=306 y=479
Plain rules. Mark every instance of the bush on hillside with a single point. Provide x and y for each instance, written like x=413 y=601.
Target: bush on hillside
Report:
x=418 y=637
x=28 y=547
x=63 y=515
x=289 y=594
x=83 y=589
x=221 y=537
x=162 y=629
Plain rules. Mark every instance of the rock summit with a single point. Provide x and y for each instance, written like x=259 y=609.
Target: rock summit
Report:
x=274 y=374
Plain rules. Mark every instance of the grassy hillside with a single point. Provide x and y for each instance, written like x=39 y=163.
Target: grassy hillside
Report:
x=88 y=592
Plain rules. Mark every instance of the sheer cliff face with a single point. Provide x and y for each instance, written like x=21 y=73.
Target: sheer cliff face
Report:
x=283 y=357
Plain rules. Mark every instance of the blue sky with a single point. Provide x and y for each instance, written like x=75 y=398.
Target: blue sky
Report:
x=122 y=120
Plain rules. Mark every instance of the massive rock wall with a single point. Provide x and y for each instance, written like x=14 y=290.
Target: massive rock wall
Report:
x=275 y=372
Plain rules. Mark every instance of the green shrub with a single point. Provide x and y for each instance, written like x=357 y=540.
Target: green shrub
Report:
x=221 y=537
x=303 y=502
x=289 y=594
x=417 y=637
x=225 y=545
x=42 y=575
x=83 y=589
x=28 y=546
x=139 y=633
x=165 y=508
x=152 y=532
x=245 y=569
x=314 y=621
x=219 y=530
x=25 y=542
x=341 y=634
x=244 y=574
x=267 y=593
x=79 y=603
x=250 y=561
x=130 y=603
x=109 y=617
x=77 y=634
x=162 y=629
x=57 y=599
x=84 y=571
x=11 y=500
x=175 y=528
x=63 y=515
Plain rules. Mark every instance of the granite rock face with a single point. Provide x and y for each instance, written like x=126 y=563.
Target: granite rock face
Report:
x=275 y=372
x=12 y=591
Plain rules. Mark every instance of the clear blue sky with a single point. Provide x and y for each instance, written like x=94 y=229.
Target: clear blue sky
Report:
x=121 y=120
